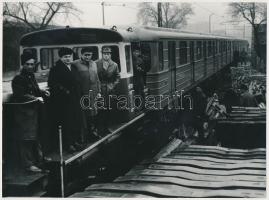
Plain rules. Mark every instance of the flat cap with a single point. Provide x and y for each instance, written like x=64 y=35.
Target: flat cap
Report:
x=106 y=50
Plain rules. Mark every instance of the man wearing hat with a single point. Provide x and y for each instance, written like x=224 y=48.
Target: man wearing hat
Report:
x=90 y=84
x=138 y=65
x=109 y=77
x=26 y=95
x=65 y=100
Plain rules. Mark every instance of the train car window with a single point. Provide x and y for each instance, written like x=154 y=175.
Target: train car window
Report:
x=172 y=54
x=77 y=51
x=204 y=49
x=183 y=52
x=146 y=54
x=209 y=48
x=128 y=57
x=48 y=57
x=216 y=47
x=161 y=64
x=199 y=50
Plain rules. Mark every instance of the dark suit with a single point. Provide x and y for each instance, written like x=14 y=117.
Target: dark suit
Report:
x=65 y=101
x=248 y=100
x=139 y=71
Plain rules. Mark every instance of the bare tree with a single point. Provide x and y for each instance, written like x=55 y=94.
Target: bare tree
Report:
x=35 y=15
x=255 y=14
x=174 y=15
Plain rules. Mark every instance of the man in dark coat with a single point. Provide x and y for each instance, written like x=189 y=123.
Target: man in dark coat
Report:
x=247 y=99
x=65 y=100
x=90 y=84
x=139 y=72
x=109 y=77
x=26 y=94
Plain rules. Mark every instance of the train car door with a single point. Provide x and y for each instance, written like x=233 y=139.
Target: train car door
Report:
x=214 y=56
x=192 y=58
x=205 y=57
x=172 y=64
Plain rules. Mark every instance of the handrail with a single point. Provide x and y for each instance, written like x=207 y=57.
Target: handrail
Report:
x=91 y=147
x=22 y=103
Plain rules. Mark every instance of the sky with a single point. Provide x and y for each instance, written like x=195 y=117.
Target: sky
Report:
x=125 y=13
x=122 y=13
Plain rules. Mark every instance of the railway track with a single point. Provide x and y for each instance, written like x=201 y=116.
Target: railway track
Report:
x=236 y=173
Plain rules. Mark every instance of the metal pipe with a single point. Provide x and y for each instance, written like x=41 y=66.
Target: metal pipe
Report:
x=103 y=12
x=159 y=5
x=61 y=160
x=209 y=25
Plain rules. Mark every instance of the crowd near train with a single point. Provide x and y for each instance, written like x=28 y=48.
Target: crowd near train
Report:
x=67 y=70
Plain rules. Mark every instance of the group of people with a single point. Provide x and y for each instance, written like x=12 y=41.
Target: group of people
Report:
x=68 y=81
x=206 y=110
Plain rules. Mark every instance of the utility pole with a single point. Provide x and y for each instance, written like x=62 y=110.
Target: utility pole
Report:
x=209 y=22
x=103 y=11
x=160 y=14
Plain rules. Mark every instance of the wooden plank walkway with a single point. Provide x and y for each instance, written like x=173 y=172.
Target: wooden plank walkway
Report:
x=245 y=127
x=191 y=171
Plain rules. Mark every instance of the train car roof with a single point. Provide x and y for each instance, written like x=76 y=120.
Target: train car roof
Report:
x=63 y=36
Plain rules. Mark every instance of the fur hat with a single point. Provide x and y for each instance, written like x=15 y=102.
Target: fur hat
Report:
x=26 y=56
x=65 y=51
x=87 y=49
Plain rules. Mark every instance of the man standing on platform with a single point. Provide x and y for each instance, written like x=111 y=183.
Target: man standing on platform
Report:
x=25 y=123
x=109 y=77
x=65 y=100
x=90 y=85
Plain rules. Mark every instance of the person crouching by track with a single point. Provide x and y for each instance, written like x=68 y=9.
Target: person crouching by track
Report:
x=65 y=100
x=90 y=84
x=26 y=124
x=109 y=77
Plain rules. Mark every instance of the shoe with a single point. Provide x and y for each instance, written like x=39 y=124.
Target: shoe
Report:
x=106 y=132
x=92 y=138
x=96 y=134
x=78 y=146
x=47 y=159
x=71 y=149
x=34 y=169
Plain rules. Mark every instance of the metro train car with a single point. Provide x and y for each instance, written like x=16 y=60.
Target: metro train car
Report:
x=175 y=60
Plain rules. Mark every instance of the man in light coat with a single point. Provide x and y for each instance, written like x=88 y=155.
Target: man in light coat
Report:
x=109 y=77
x=90 y=85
